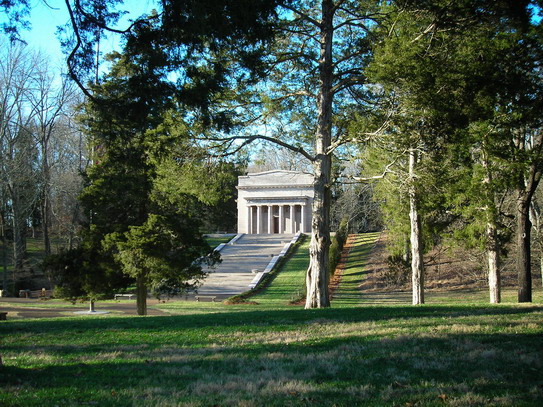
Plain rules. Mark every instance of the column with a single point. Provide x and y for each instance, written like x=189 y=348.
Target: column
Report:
x=281 y=219
x=259 y=219
x=302 y=218
x=249 y=219
x=270 y=217
x=292 y=221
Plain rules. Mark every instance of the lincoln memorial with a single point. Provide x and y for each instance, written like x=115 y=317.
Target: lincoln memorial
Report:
x=275 y=202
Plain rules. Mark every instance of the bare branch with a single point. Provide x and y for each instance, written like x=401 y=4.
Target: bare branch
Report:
x=250 y=139
x=387 y=170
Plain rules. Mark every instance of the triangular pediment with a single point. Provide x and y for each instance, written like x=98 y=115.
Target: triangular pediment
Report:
x=276 y=178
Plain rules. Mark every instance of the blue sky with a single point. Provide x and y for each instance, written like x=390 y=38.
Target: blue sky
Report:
x=45 y=21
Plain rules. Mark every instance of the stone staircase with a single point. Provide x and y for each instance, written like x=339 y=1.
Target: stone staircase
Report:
x=241 y=261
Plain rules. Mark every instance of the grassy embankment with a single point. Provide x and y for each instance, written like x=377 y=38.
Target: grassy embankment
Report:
x=214 y=241
x=274 y=354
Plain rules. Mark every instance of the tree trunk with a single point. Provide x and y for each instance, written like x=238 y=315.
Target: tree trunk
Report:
x=535 y=219
x=4 y=263
x=417 y=263
x=141 y=295
x=493 y=257
x=526 y=186
x=317 y=272
x=524 y=267
x=46 y=204
x=19 y=238
x=45 y=213
x=492 y=243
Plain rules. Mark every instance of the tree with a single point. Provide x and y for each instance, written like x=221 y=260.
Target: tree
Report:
x=444 y=59
x=145 y=190
x=536 y=218
x=314 y=75
x=81 y=272
x=408 y=71
x=33 y=143
x=18 y=153
x=268 y=157
x=49 y=103
x=131 y=110
x=17 y=12
x=210 y=53
x=164 y=252
x=322 y=51
x=213 y=181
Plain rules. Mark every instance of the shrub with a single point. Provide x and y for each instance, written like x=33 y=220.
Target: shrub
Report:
x=336 y=247
x=82 y=273
x=398 y=270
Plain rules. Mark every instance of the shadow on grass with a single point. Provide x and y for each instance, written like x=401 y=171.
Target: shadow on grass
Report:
x=342 y=371
x=244 y=316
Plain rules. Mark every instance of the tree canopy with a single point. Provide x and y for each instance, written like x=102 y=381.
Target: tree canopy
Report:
x=441 y=98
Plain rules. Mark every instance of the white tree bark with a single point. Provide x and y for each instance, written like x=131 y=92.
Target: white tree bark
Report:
x=493 y=259
x=417 y=263
x=492 y=244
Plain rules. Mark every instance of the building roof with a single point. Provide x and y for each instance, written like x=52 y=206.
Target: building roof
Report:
x=276 y=178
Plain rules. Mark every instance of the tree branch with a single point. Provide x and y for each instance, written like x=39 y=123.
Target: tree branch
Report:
x=70 y=60
x=386 y=171
x=250 y=139
x=305 y=16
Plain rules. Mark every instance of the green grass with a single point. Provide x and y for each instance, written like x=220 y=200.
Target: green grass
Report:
x=44 y=303
x=289 y=283
x=356 y=353
x=348 y=293
x=213 y=242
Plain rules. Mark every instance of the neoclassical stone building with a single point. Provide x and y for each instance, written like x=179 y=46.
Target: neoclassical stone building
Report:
x=275 y=202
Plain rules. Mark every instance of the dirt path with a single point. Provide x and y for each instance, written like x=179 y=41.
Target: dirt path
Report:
x=23 y=308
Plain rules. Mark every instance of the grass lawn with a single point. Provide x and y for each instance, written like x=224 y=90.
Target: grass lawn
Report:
x=214 y=241
x=357 y=353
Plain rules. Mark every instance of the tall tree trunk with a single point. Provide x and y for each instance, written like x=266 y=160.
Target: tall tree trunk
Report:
x=526 y=186
x=46 y=202
x=45 y=213
x=4 y=261
x=19 y=238
x=524 y=266
x=317 y=272
x=492 y=243
x=141 y=295
x=417 y=263
x=541 y=263
x=493 y=258
x=535 y=218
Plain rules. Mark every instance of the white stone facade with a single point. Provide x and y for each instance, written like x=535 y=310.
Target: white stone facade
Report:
x=275 y=202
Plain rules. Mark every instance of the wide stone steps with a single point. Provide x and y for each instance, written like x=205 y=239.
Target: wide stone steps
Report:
x=241 y=261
